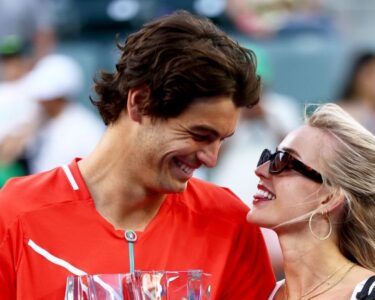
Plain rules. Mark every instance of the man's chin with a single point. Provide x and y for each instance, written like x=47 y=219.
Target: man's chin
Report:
x=182 y=186
x=179 y=186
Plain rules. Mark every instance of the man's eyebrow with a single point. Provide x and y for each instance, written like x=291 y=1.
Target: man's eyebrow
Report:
x=204 y=129
x=208 y=130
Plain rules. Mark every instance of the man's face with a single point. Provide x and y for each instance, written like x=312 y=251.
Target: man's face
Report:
x=171 y=150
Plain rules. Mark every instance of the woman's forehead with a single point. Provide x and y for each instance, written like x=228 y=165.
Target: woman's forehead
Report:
x=308 y=142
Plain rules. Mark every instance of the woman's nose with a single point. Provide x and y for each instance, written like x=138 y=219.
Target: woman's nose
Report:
x=262 y=171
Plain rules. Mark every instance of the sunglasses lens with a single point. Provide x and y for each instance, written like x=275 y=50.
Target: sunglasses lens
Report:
x=279 y=162
x=264 y=157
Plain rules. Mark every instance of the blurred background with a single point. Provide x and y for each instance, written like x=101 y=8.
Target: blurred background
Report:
x=309 y=43
x=309 y=51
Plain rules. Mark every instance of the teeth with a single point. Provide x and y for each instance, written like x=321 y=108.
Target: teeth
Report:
x=184 y=167
x=266 y=194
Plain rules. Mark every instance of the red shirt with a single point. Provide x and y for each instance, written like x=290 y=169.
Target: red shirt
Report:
x=49 y=229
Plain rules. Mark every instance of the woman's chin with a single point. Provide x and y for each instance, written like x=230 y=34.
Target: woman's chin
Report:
x=254 y=218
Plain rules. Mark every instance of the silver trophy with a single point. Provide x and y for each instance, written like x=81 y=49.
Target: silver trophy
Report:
x=140 y=285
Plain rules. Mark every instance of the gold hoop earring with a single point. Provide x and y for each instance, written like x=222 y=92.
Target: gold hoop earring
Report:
x=326 y=216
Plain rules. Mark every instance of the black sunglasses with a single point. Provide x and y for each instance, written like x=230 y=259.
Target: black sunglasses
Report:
x=281 y=161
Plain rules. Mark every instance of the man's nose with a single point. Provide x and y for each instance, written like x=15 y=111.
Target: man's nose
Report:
x=208 y=155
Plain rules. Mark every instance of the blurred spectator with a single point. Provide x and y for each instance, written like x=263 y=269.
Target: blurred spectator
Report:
x=18 y=115
x=259 y=18
x=358 y=96
x=257 y=130
x=262 y=127
x=68 y=129
x=13 y=58
x=354 y=18
x=32 y=21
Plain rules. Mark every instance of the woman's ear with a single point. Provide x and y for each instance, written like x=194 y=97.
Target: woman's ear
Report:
x=333 y=201
x=136 y=97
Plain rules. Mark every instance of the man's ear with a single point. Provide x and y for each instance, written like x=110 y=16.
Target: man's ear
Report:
x=136 y=97
x=333 y=201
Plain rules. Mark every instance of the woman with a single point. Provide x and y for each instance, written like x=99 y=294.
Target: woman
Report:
x=358 y=95
x=317 y=191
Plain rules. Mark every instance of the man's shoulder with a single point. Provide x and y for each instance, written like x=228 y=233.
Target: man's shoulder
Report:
x=210 y=198
x=23 y=194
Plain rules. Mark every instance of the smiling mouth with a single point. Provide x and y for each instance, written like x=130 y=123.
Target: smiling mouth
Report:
x=264 y=195
x=183 y=167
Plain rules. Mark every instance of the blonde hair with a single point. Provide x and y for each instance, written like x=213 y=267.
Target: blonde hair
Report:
x=350 y=169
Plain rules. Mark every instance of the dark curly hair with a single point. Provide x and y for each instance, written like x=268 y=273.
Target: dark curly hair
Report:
x=179 y=57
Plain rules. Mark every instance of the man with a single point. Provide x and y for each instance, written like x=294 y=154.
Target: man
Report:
x=132 y=204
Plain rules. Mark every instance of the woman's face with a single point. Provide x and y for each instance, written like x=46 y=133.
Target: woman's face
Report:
x=289 y=195
x=365 y=87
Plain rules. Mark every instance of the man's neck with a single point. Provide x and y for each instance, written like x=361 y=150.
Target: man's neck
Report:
x=119 y=198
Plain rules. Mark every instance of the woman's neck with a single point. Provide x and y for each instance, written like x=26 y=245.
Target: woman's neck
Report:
x=309 y=264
